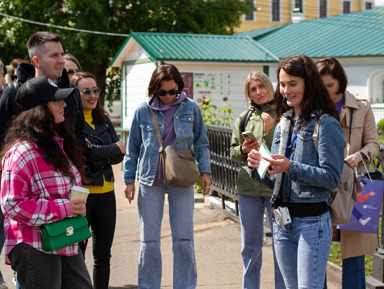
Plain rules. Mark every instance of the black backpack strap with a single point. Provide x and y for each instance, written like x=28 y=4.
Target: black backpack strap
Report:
x=245 y=120
x=15 y=106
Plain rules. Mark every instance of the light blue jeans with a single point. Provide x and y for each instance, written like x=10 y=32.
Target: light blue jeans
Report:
x=151 y=208
x=252 y=240
x=302 y=249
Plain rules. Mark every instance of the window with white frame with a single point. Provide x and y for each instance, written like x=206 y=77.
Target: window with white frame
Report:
x=346 y=7
x=376 y=87
x=323 y=7
x=250 y=16
x=275 y=10
x=299 y=5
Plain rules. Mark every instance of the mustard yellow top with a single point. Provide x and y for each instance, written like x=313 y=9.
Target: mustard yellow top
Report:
x=108 y=186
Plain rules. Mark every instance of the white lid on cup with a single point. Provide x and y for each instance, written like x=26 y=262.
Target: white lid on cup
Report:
x=80 y=189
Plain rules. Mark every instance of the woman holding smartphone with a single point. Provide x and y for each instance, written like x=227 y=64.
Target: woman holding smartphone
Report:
x=253 y=197
x=304 y=176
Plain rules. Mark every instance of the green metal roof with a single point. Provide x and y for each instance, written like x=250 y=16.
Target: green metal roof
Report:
x=353 y=34
x=198 y=47
x=256 y=33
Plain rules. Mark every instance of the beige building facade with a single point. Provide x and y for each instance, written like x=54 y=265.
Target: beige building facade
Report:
x=277 y=12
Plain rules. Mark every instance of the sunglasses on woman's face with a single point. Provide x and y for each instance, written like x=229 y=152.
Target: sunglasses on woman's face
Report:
x=88 y=92
x=170 y=92
x=71 y=71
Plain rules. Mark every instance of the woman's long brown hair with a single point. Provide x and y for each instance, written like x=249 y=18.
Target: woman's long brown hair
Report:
x=316 y=98
x=37 y=125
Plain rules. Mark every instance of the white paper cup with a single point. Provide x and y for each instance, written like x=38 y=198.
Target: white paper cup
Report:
x=79 y=193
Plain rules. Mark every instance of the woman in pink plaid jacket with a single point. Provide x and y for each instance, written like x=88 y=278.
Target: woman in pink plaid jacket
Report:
x=40 y=164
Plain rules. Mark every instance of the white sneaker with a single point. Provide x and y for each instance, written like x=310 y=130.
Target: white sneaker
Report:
x=365 y=221
x=3 y=286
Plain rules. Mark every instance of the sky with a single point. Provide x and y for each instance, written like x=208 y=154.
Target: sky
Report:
x=379 y=3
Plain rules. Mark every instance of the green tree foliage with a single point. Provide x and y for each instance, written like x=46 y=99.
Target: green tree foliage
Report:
x=95 y=51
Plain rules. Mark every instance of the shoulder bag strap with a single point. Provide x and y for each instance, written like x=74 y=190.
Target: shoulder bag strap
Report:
x=245 y=120
x=156 y=127
x=315 y=136
x=350 y=126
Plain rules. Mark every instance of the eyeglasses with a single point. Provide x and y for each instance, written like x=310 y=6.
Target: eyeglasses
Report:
x=164 y=92
x=71 y=71
x=88 y=92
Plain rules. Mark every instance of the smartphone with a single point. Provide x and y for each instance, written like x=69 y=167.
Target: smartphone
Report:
x=249 y=134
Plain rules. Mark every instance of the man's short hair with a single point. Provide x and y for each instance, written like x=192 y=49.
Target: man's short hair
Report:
x=36 y=42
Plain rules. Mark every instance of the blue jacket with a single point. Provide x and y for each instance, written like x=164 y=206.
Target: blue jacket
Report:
x=143 y=148
x=311 y=175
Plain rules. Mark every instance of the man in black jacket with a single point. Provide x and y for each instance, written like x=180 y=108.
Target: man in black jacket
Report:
x=47 y=55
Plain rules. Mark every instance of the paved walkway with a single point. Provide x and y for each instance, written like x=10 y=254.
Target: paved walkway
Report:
x=217 y=242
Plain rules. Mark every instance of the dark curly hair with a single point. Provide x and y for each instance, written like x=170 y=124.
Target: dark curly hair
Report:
x=37 y=125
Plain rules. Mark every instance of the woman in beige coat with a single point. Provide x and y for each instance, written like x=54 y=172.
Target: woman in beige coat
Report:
x=362 y=145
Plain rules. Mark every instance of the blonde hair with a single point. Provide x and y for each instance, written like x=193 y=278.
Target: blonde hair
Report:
x=261 y=76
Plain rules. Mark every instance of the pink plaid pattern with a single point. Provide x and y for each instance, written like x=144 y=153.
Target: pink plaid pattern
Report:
x=33 y=194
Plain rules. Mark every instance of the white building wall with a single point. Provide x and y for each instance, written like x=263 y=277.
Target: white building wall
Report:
x=136 y=79
x=366 y=79
x=238 y=73
x=361 y=73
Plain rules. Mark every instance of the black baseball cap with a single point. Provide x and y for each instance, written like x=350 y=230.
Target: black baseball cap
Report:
x=39 y=90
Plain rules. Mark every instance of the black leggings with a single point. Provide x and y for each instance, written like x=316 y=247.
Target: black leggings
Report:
x=101 y=216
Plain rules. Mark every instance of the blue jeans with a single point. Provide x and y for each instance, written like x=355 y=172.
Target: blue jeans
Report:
x=101 y=216
x=354 y=273
x=252 y=239
x=302 y=249
x=151 y=206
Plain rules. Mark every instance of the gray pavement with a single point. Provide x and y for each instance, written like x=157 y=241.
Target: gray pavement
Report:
x=217 y=244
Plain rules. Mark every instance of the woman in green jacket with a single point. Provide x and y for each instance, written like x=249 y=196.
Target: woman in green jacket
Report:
x=254 y=197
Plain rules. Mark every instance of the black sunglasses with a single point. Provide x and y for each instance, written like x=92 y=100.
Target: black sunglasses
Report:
x=71 y=71
x=170 y=92
x=89 y=91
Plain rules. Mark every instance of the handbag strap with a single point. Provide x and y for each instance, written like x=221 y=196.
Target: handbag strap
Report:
x=350 y=126
x=315 y=135
x=156 y=127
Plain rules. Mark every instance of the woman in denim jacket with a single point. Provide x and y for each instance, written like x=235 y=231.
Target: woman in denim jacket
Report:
x=181 y=125
x=303 y=176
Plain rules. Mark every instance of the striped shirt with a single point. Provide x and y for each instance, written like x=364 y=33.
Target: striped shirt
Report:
x=33 y=193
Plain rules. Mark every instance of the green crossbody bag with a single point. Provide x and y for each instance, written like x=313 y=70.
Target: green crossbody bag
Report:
x=63 y=233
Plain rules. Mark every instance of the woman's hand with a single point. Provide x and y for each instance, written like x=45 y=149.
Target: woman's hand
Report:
x=249 y=145
x=129 y=191
x=354 y=160
x=205 y=182
x=78 y=207
x=254 y=159
x=279 y=164
x=268 y=122
x=122 y=147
